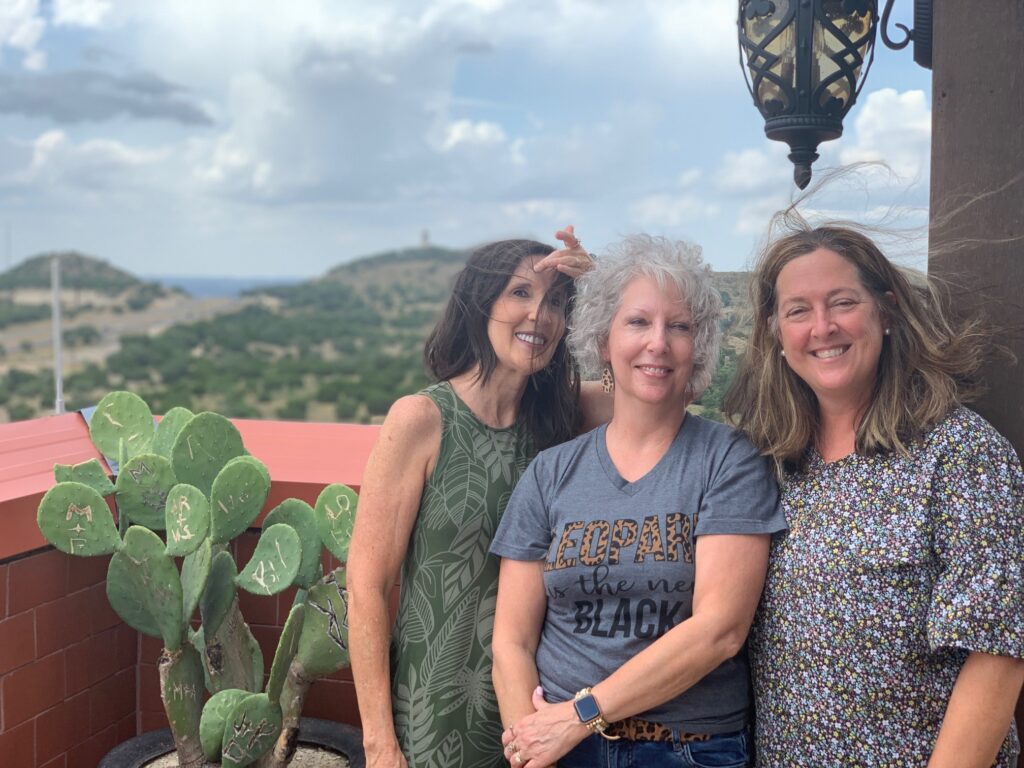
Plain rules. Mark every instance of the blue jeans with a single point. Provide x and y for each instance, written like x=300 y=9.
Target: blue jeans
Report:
x=725 y=750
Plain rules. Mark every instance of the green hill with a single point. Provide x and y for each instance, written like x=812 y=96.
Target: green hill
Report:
x=341 y=347
x=77 y=271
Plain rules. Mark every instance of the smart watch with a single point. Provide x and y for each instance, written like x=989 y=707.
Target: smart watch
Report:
x=589 y=713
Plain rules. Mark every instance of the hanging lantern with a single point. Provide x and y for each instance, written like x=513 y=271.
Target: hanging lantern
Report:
x=807 y=60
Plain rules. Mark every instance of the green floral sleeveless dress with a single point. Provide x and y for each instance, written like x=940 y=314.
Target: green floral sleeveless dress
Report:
x=446 y=714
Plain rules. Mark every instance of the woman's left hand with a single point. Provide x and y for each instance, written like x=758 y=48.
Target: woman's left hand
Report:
x=540 y=739
x=571 y=260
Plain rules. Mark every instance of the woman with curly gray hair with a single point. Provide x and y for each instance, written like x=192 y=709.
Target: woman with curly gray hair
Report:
x=633 y=556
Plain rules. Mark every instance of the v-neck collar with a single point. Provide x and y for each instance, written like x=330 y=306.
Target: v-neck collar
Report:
x=652 y=475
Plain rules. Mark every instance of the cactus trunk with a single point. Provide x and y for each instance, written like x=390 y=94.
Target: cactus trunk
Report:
x=228 y=656
x=181 y=688
x=293 y=694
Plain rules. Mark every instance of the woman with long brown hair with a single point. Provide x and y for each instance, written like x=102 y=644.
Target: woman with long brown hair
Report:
x=891 y=630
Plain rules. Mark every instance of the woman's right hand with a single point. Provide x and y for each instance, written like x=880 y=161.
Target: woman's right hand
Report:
x=384 y=756
x=572 y=260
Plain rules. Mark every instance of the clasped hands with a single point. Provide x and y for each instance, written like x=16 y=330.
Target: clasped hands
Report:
x=540 y=739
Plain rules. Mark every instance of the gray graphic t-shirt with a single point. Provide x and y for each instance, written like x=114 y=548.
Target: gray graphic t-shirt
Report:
x=619 y=557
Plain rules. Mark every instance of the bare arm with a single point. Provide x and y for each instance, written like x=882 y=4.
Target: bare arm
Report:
x=395 y=475
x=517 y=624
x=728 y=581
x=979 y=712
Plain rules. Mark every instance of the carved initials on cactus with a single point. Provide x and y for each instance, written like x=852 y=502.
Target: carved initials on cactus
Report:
x=85 y=512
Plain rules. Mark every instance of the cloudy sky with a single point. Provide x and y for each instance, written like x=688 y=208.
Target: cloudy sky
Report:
x=274 y=137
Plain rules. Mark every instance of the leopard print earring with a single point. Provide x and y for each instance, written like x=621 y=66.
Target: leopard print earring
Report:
x=607 y=380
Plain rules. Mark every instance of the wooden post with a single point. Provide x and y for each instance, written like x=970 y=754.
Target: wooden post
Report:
x=978 y=172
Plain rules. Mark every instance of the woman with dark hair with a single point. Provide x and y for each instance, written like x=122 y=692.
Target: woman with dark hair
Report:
x=433 y=490
x=891 y=631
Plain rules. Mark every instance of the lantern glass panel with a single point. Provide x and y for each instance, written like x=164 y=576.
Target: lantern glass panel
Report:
x=771 y=26
x=841 y=42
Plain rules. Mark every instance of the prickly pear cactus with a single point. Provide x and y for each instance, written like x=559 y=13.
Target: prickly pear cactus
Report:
x=335 y=516
x=202 y=447
x=300 y=516
x=215 y=715
x=186 y=519
x=236 y=498
x=142 y=488
x=76 y=520
x=167 y=430
x=122 y=424
x=275 y=562
x=144 y=588
x=323 y=645
x=190 y=479
x=250 y=730
x=89 y=473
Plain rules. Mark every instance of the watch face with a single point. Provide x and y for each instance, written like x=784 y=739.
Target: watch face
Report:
x=586 y=708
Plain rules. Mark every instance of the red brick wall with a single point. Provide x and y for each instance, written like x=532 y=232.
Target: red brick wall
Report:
x=75 y=680
x=67 y=663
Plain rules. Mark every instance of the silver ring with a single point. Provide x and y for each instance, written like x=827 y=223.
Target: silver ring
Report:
x=518 y=757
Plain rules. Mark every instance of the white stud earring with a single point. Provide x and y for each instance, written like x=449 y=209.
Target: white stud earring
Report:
x=886 y=331
x=783 y=353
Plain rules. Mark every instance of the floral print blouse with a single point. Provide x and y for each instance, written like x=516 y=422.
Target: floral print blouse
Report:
x=894 y=569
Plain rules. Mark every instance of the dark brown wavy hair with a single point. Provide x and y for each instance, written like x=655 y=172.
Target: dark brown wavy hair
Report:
x=928 y=364
x=459 y=342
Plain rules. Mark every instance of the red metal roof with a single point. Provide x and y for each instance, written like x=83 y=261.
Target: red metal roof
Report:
x=302 y=458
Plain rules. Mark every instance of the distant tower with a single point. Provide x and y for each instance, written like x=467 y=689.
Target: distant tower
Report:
x=424 y=239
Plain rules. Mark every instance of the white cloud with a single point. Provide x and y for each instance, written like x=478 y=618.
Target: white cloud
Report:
x=543 y=211
x=894 y=128
x=752 y=171
x=670 y=210
x=90 y=165
x=22 y=27
x=81 y=13
x=462 y=132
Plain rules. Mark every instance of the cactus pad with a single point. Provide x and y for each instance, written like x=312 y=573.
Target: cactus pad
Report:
x=122 y=416
x=144 y=589
x=255 y=462
x=203 y=446
x=323 y=645
x=187 y=519
x=195 y=571
x=167 y=430
x=287 y=647
x=300 y=516
x=211 y=725
x=89 y=473
x=250 y=730
x=75 y=519
x=237 y=498
x=219 y=593
x=142 y=487
x=335 y=515
x=275 y=562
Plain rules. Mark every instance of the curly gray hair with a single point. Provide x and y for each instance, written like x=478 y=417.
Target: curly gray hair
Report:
x=667 y=262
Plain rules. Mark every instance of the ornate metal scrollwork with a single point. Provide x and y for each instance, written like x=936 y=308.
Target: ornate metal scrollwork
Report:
x=920 y=35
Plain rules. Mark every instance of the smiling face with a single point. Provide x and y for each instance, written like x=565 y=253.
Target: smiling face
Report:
x=527 y=319
x=830 y=327
x=650 y=344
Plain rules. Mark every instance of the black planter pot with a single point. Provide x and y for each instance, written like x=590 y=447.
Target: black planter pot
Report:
x=342 y=738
